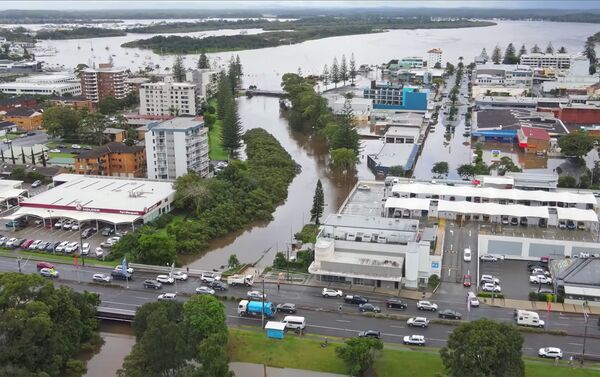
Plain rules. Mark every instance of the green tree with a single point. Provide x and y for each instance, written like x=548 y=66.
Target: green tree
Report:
x=352 y=71
x=346 y=135
x=110 y=105
x=178 y=70
x=318 y=206
x=233 y=261
x=397 y=171
x=224 y=96
x=484 y=348
x=344 y=159
x=549 y=48
x=61 y=121
x=335 y=72
x=576 y=144
x=449 y=68
x=589 y=51
x=203 y=62
x=325 y=76
x=155 y=248
x=231 y=131
x=510 y=56
x=567 y=181
x=344 y=70
x=93 y=127
x=440 y=168
x=280 y=262
x=466 y=171
x=562 y=50
x=497 y=55
x=536 y=49
x=359 y=354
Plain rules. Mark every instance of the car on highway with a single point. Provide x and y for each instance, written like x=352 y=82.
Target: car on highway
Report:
x=489 y=279
x=178 y=275
x=208 y=277
x=101 y=278
x=256 y=295
x=328 y=292
x=488 y=258
x=355 y=299
x=489 y=287
x=167 y=297
x=41 y=265
x=205 y=291
x=34 y=245
x=395 y=303
x=427 y=305
x=414 y=340
x=467 y=255
x=85 y=248
x=467 y=280
x=49 y=272
x=540 y=279
x=119 y=268
x=369 y=334
x=550 y=352
x=286 y=308
x=472 y=299
x=153 y=284
x=418 y=322
x=449 y=314
x=369 y=308
x=61 y=246
x=120 y=275
x=165 y=279
x=218 y=285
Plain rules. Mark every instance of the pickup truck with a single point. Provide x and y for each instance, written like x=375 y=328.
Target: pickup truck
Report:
x=540 y=279
x=355 y=299
x=246 y=280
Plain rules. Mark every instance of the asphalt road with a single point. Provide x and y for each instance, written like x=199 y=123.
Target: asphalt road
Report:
x=321 y=313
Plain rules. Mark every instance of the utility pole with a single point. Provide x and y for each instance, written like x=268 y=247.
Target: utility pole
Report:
x=81 y=244
x=585 y=318
x=262 y=311
x=288 y=263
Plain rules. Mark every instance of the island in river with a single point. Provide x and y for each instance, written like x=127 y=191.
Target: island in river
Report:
x=290 y=32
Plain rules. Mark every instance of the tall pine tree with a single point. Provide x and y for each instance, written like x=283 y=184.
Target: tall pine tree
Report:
x=549 y=48
x=522 y=51
x=178 y=69
x=536 y=49
x=231 y=131
x=510 y=56
x=335 y=72
x=590 y=52
x=344 y=70
x=562 y=50
x=203 y=62
x=325 y=76
x=316 y=212
x=346 y=135
x=224 y=95
x=497 y=55
x=352 y=69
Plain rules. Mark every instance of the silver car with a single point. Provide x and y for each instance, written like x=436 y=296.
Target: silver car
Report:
x=205 y=291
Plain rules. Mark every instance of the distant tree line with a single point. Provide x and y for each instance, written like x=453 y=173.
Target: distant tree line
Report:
x=79 y=33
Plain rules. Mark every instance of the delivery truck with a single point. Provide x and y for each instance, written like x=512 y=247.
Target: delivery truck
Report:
x=254 y=308
x=246 y=280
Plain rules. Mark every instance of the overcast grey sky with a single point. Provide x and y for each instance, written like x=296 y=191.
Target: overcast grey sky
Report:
x=237 y=4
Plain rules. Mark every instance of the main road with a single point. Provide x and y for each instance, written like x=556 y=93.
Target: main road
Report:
x=322 y=314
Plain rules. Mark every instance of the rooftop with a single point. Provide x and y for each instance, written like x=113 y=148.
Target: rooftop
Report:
x=177 y=124
x=371 y=222
x=111 y=130
x=514 y=119
x=113 y=147
x=392 y=154
x=582 y=271
x=535 y=133
x=21 y=111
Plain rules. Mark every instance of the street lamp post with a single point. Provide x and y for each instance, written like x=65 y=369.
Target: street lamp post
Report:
x=80 y=244
x=585 y=318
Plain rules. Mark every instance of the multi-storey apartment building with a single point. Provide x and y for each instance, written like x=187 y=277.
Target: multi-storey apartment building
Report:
x=112 y=159
x=540 y=60
x=168 y=98
x=206 y=81
x=104 y=81
x=176 y=146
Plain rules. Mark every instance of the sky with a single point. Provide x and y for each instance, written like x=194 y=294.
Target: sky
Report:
x=237 y=4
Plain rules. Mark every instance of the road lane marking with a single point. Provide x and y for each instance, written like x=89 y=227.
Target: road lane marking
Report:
x=342 y=320
x=438 y=340
x=576 y=344
x=143 y=298
x=398 y=327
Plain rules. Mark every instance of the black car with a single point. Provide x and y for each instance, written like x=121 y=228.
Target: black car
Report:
x=449 y=314
x=514 y=221
x=218 y=285
x=19 y=242
x=286 y=308
x=52 y=245
x=369 y=308
x=355 y=299
x=107 y=231
x=370 y=334
x=120 y=275
x=395 y=303
x=152 y=284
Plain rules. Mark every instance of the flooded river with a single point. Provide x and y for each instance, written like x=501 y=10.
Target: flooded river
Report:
x=118 y=340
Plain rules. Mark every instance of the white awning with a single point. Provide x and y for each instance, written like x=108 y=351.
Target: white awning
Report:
x=408 y=203
x=11 y=193
x=582 y=291
x=577 y=214
x=113 y=218
x=493 y=209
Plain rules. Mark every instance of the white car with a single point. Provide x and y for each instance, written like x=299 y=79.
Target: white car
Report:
x=489 y=287
x=99 y=252
x=209 y=277
x=165 y=279
x=205 y=291
x=540 y=279
x=418 y=322
x=417 y=340
x=10 y=242
x=59 y=224
x=85 y=248
x=550 y=352
x=489 y=279
x=328 y=292
x=129 y=269
x=74 y=226
x=73 y=246
x=426 y=305
x=76 y=146
x=178 y=275
x=61 y=246
x=488 y=258
x=35 y=244
x=540 y=271
x=54 y=151
x=49 y=272
x=256 y=295
x=467 y=255
x=167 y=297
x=67 y=225
x=473 y=300
x=101 y=277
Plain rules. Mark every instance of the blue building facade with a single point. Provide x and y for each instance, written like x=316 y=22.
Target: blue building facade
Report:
x=395 y=97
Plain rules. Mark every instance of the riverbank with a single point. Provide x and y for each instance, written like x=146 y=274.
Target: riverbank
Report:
x=307 y=353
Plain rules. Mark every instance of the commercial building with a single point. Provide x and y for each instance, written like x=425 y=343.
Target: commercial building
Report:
x=134 y=83
x=47 y=85
x=175 y=147
x=579 y=281
x=399 y=148
x=27 y=119
x=11 y=66
x=11 y=193
x=406 y=63
x=504 y=124
x=503 y=74
x=578 y=114
x=206 y=81
x=112 y=159
x=97 y=198
x=577 y=78
x=541 y=60
x=533 y=140
x=15 y=102
x=104 y=81
x=168 y=98
x=434 y=56
x=397 y=97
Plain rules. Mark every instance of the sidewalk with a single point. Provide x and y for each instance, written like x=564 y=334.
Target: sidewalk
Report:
x=259 y=370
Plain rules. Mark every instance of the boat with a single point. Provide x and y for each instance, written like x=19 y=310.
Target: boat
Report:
x=113 y=55
x=107 y=48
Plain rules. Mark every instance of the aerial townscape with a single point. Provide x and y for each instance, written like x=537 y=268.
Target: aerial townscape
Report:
x=313 y=188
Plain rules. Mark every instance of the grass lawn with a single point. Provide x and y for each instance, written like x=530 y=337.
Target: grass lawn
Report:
x=215 y=150
x=60 y=155
x=67 y=259
x=395 y=361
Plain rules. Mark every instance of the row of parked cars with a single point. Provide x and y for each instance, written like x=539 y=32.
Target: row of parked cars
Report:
x=66 y=247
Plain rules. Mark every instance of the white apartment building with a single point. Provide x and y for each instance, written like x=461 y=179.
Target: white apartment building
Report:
x=168 y=98
x=434 y=56
x=175 y=147
x=52 y=84
x=206 y=81
x=540 y=60
x=503 y=74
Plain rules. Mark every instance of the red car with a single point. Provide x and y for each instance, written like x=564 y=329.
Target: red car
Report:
x=467 y=281
x=41 y=265
x=26 y=244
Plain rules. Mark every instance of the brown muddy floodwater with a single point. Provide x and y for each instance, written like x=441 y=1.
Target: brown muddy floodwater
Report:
x=118 y=340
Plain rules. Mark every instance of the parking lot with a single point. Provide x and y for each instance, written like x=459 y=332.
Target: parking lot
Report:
x=514 y=277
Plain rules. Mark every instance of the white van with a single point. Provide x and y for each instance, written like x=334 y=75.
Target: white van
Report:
x=294 y=322
x=528 y=318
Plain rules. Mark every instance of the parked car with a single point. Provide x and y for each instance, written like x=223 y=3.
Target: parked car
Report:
x=489 y=279
x=167 y=297
x=505 y=220
x=49 y=272
x=449 y=314
x=26 y=244
x=36 y=183
x=395 y=303
x=99 y=251
x=107 y=231
x=52 y=245
x=47 y=265
x=415 y=340
x=571 y=225
x=369 y=334
x=580 y=225
x=153 y=284
x=426 y=305
x=61 y=246
x=34 y=245
x=328 y=292
x=355 y=299
x=488 y=287
x=514 y=221
x=42 y=245
x=85 y=248
x=101 y=278
x=165 y=279
x=178 y=275
x=218 y=285
x=67 y=225
x=540 y=271
x=286 y=308
x=72 y=247
x=256 y=295
x=542 y=223
x=88 y=232
x=59 y=224
x=3 y=240
x=10 y=242
x=550 y=352
x=369 y=308
x=205 y=291
x=120 y=267
x=418 y=322
x=76 y=146
x=74 y=226
x=540 y=279
x=488 y=258
x=533 y=265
